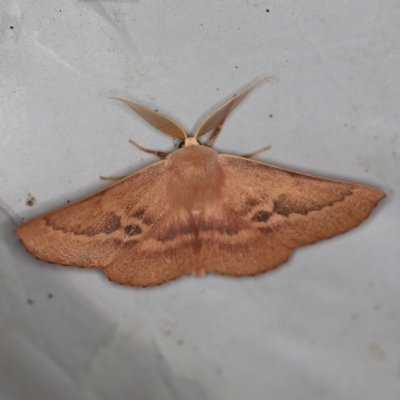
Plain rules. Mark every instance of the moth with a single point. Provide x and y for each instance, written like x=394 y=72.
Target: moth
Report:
x=196 y=211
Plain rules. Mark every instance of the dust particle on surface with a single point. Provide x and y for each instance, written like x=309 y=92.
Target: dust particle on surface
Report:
x=30 y=200
x=30 y=301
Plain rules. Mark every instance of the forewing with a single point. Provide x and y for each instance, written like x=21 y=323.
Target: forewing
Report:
x=267 y=211
x=292 y=208
x=98 y=229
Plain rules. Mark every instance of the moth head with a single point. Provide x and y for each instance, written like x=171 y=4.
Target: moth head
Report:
x=190 y=141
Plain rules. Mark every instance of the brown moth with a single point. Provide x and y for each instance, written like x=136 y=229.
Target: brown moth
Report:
x=196 y=211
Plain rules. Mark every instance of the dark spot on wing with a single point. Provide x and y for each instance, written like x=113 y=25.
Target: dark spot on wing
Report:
x=147 y=220
x=89 y=222
x=251 y=202
x=261 y=216
x=286 y=205
x=141 y=215
x=111 y=224
x=132 y=230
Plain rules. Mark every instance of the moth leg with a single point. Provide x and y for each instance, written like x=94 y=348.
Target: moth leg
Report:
x=214 y=134
x=254 y=153
x=155 y=152
x=112 y=178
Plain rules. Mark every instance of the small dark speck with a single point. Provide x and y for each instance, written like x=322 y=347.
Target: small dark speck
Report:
x=217 y=88
x=167 y=332
x=50 y=296
x=267 y=10
x=11 y=27
x=30 y=200
x=270 y=115
x=201 y=24
x=30 y=301
x=180 y=342
x=22 y=219
x=68 y=201
x=156 y=110
x=354 y=317
x=59 y=10
x=236 y=67
x=345 y=125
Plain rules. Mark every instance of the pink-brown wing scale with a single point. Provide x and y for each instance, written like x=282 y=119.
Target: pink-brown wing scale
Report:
x=197 y=211
x=234 y=216
x=290 y=209
x=94 y=231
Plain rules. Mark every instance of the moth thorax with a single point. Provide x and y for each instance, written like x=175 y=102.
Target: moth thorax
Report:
x=196 y=177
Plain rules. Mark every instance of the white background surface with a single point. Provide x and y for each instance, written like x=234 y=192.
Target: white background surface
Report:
x=326 y=325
